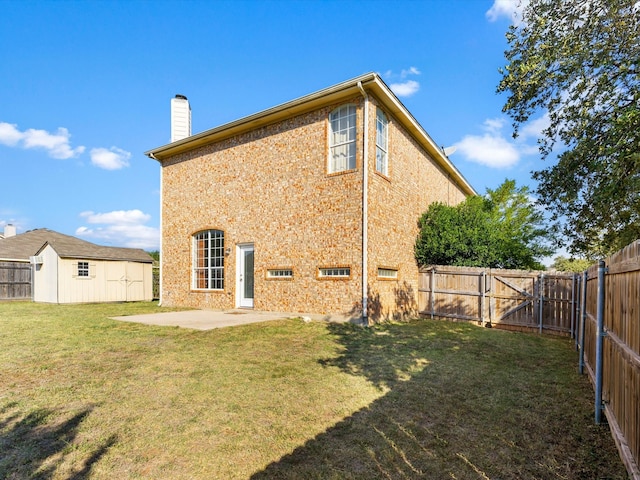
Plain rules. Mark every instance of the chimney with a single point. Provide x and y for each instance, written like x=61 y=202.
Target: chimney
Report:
x=180 y=118
x=9 y=230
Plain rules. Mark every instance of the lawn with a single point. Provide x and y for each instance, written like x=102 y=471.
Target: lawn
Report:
x=82 y=396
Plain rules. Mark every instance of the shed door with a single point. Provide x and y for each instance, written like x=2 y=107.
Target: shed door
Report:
x=125 y=281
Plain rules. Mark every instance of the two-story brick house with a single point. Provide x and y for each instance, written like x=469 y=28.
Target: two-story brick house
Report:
x=310 y=206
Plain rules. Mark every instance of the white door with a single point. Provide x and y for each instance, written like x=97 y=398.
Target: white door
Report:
x=245 y=276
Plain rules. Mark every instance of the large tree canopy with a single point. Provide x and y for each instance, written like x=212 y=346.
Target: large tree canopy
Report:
x=501 y=230
x=578 y=61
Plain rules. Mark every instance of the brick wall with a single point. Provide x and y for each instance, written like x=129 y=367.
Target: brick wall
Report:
x=395 y=204
x=270 y=187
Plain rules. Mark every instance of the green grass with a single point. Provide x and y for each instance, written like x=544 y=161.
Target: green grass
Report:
x=82 y=396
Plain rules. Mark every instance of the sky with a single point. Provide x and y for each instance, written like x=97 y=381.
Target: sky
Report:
x=85 y=90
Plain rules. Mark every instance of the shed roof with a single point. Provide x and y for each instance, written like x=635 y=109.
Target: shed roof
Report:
x=25 y=245
x=370 y=82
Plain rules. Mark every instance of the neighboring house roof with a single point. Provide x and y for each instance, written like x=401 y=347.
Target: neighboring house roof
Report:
x=370 y=83
x=25 y=245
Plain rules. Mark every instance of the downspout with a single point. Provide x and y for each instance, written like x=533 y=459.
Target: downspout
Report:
x=365 y=207
x=160 y=262
x=152 y=156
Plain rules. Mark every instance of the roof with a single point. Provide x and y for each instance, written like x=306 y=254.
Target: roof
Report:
x=25 y=245
x=370 y=82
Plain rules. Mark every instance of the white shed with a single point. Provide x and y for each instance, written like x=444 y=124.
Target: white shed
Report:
x=69 y=270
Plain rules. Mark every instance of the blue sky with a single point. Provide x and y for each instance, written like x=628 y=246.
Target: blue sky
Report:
x=85 y=89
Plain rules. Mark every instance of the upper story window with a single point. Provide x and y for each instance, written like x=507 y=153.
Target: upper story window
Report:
x=342 y=139
x=208 y=260
x=382 y=143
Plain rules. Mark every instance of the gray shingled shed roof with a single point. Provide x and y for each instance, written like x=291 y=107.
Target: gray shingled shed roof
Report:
x=30 y=243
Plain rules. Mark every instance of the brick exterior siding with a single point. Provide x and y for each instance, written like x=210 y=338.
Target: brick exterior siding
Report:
x=269 y=186
x=395 y=204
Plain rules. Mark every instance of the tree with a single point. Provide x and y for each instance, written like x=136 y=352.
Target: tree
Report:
x=577 y=60
x=518 y=225
x=155 y=254
x=501 y=230
x=575 y=265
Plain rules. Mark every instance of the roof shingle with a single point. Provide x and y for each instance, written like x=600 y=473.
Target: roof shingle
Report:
x=24 y=245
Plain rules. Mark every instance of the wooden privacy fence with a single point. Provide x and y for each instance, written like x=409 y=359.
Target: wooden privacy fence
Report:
x=608 y=342
x=155 y=282
x=15 y=281
x=600 y=308
x=512 y=299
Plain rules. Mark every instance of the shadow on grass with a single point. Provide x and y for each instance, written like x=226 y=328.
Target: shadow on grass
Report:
x=36 y=444
x=458 y=404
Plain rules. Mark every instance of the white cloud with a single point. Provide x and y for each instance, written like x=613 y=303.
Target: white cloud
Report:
x=120 y=228
x=494 y=150
x=405 y=89
x=494 y=125
x=127 y=217
x=9 y=134
x=110 y=159
x=409 y=71
x=511 y=9
x=489 y=149
x=56 y=144
x=534 y=128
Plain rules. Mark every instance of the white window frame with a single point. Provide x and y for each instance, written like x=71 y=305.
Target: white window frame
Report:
x=340 y=273
x=280 y=273
x=83 y=269
x=386 y=273
x=208 y=257
x=342 y=139
x=382 y=142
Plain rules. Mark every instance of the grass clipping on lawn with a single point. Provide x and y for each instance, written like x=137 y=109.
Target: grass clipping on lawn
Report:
x=83 y=396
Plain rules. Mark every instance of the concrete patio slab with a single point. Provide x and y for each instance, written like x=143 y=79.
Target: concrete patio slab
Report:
x=207 y=319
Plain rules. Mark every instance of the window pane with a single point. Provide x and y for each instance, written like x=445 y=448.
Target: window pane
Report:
x=208 y=260
x=382 y=139
x=342 y=139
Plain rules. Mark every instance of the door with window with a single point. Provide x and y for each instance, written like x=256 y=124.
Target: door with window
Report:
x=245 y=276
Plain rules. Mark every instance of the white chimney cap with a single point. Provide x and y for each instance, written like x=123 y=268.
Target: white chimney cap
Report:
x=9 y=230
x=180 y=118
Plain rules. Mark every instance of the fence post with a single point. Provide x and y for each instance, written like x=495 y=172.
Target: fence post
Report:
x=491 y=300
x=483 y=287
x=576 y=325
x=599 y=341
x=573 y=304
x=541 y=298
x=583 y=321
x=433 y=287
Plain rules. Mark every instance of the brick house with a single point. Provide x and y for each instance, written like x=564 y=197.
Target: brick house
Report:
x=310 y=206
